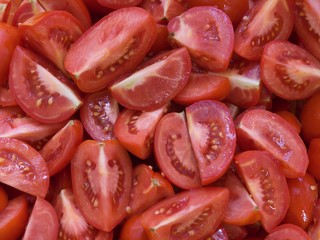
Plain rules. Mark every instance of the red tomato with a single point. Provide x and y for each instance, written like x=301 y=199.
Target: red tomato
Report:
x=306 y=21
x=207 y=32
x=213 y=138
x=111 y=53
x=3 y=199
x=191 y=215
x=156 y=82
x=51 y=34
x=98 y=115
x=135 y=130
x=291 y=119
x=133 y=230
x=164 y=10
x=6 y=98
x=289 y=71
x=75 y=7
x=41 y=90
x=3 y=5
x=314 y=229
x=101 y=180
x=288 y=232
x=203 y=86
x=310 y=118
x=234 y=8
x=43 y=222
x=314 y=158
x=9 y=39
x=59 y=150
x=14 y=218
x=22 y=167
x=10 y=10
x=264 y=130
x=116 y=4
x=303 y=196
x=235 y=232
x=174 y=153
x=72 y=223
x=264 y=22
x=161 y=43
x=26 y=10
x=266 y=183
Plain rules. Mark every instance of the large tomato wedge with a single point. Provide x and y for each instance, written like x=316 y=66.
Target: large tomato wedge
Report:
x=41 y=90
x=213 y=138
x=264 y=130
x=191 y=215
x=266 y=183
x=115 y=45
x=207 y=32
x=43 y=222
x=101 y=180
x=289 y=71
x=23 y=168
x=267 y=20
x=51 y=34
x=174 y=153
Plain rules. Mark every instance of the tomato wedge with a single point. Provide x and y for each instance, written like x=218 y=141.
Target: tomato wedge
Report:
x=156 y=82
x=288 y=232
x=213 y=138
x=264 y=130
x=26 y=10
x=23 y=168
x=41 y=90
x=110 y=54
x=267 y=185
x=192 y=214
x=132 y=229
x=101 y=180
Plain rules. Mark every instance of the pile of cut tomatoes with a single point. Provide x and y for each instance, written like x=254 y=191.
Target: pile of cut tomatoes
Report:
x=160 y=119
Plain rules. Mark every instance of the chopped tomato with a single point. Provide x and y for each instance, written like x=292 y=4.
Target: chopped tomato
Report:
x=26 y=10
x=10 y=10
x=314 y=158
x=161 y=43
x=288 y=232
x=314 y=229
x=291 y=119
x=132 y=229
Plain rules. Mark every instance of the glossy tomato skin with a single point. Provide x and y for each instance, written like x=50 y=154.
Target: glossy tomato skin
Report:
x=264 y=22
x=101 y=180
x=132 y=229
x=98 y=115
x=314 y=158
x=213 y=138
x=291 y=119
x=278 y=62
x=156 y=81
x=112 y=53
x=264 y=130
x=9 y=39
x=119 y=3
x=209 y=48
x=51 y=34
x=14 y=218
x=174 y=153
x=172 y=218
x=47 y=95
x=43 y=222
x=314 y=228
x=266 y=183
x=288 y=232
x=23 y=167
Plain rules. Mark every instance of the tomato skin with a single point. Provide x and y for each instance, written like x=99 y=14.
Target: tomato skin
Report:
x=14 y=218
x=254 y=32
x=132 y=229
x=314 y=158
x=9 y=39
x=303 y=196
x=124 y=48
x=161 y=43
x=3 y=199
x=288 y=232
x=212 y=55
x=264 y=130
x=310 y=118
x=267 y=184
x=171 y=218
x=119 y=4
x=291 y=119
x=43 y=222
x=314 y=228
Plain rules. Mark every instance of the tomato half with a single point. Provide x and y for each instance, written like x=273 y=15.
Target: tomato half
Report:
x=192 y=214
x=266 y=183
x=208 y=35
x=51 y=34
x=116 y=4
x=111 y=53
x=132 y=229
x=101 y=180
x=289 y=71
x=41 y=90
x=156 y=82
x=264 y=22
x=288 y=232
x=264 y=130
x=213 y=138
x=43 y=222
x=14 y=218
x=22 y=167
x=314 y=158
x=174 y=153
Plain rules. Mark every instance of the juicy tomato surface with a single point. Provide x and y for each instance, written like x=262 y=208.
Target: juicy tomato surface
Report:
x=288 y=232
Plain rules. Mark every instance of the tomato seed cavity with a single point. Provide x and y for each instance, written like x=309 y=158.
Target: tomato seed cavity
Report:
x=269 y=197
